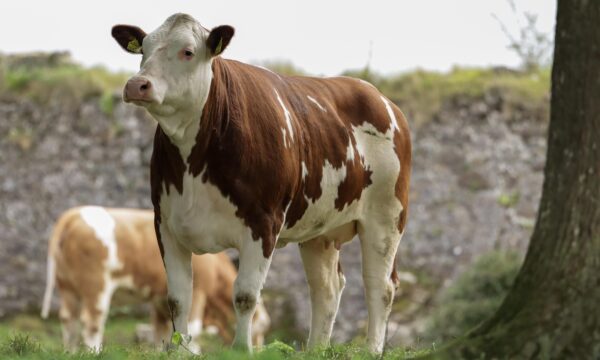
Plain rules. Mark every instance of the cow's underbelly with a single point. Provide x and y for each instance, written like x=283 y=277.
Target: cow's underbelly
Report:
x=201 y=218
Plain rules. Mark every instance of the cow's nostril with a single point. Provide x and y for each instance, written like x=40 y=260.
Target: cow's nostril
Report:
x=144 y=87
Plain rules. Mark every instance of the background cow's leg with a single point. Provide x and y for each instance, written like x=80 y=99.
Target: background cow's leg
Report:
x=69 y=319
x=178 y=263
x=93 y=316
x=260 y=324
x=161 y=322
x=246 y=289
x=320 y=259
x=195 y=320
x=379 y=244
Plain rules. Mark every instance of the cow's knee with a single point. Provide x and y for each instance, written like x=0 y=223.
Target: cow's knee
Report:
x=244 y=302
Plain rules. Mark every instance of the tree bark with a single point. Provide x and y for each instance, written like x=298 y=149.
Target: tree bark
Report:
x=553 y=309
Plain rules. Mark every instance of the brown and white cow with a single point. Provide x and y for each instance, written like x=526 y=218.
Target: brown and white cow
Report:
x=245 y=158
x=95 y=252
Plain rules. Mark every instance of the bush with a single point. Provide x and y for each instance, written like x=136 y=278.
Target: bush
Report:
x=474 y=295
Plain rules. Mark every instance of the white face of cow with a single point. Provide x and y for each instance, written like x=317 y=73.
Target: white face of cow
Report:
x=175 y=72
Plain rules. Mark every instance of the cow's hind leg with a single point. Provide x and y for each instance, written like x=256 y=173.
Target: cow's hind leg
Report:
x=93 y=316
x=246 y=290
x=379 y=243
x=326 y=282
x=69 y=319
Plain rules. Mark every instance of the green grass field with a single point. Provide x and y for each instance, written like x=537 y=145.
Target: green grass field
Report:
x=30 y=337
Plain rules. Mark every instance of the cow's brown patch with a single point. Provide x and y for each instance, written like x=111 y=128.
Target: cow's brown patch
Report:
x=166 y=169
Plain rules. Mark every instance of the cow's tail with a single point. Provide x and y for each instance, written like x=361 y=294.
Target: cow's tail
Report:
x=53 y=244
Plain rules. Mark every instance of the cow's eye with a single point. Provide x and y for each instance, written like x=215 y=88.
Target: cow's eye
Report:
x=188 y=53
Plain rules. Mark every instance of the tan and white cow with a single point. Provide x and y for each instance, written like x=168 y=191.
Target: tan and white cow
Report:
x=249 y=159
x=95 y=253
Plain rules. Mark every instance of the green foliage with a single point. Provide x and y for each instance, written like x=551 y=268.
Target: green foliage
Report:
x=474 y=295
x=107 y=103
x=63 y=82
x=19 y=344
x=422 y=93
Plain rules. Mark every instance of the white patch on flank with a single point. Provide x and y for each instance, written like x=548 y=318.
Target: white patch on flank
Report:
x=195 y=328
x=103 y=225
x=288 y=116
x=316 y=103
x=321 y=211
x=390 y=113
x=304 y=171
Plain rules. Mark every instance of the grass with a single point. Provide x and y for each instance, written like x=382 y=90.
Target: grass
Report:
x=474 y=295
x=421 y=94
x=67 y=83
x=29 y=337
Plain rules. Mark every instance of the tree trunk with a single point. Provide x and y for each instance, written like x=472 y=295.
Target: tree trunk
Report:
x=553 y=309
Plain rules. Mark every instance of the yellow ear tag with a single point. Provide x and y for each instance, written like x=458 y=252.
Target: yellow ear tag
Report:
x=134 y=46
x=219 y=46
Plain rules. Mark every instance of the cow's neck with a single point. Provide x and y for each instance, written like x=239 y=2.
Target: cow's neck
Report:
x=182 y=126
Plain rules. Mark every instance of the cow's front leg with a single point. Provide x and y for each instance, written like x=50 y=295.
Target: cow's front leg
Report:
x=178 y=263
x=246 y=290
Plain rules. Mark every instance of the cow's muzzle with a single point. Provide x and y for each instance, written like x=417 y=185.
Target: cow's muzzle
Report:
x=138 y=89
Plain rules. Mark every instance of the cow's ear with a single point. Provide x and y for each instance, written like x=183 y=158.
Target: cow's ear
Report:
x=129 y=37
x=219 y=38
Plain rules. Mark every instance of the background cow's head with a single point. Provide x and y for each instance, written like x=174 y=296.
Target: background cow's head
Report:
x=175 y=72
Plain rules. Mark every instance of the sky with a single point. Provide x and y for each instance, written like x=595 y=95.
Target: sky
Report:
x=322 y=37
